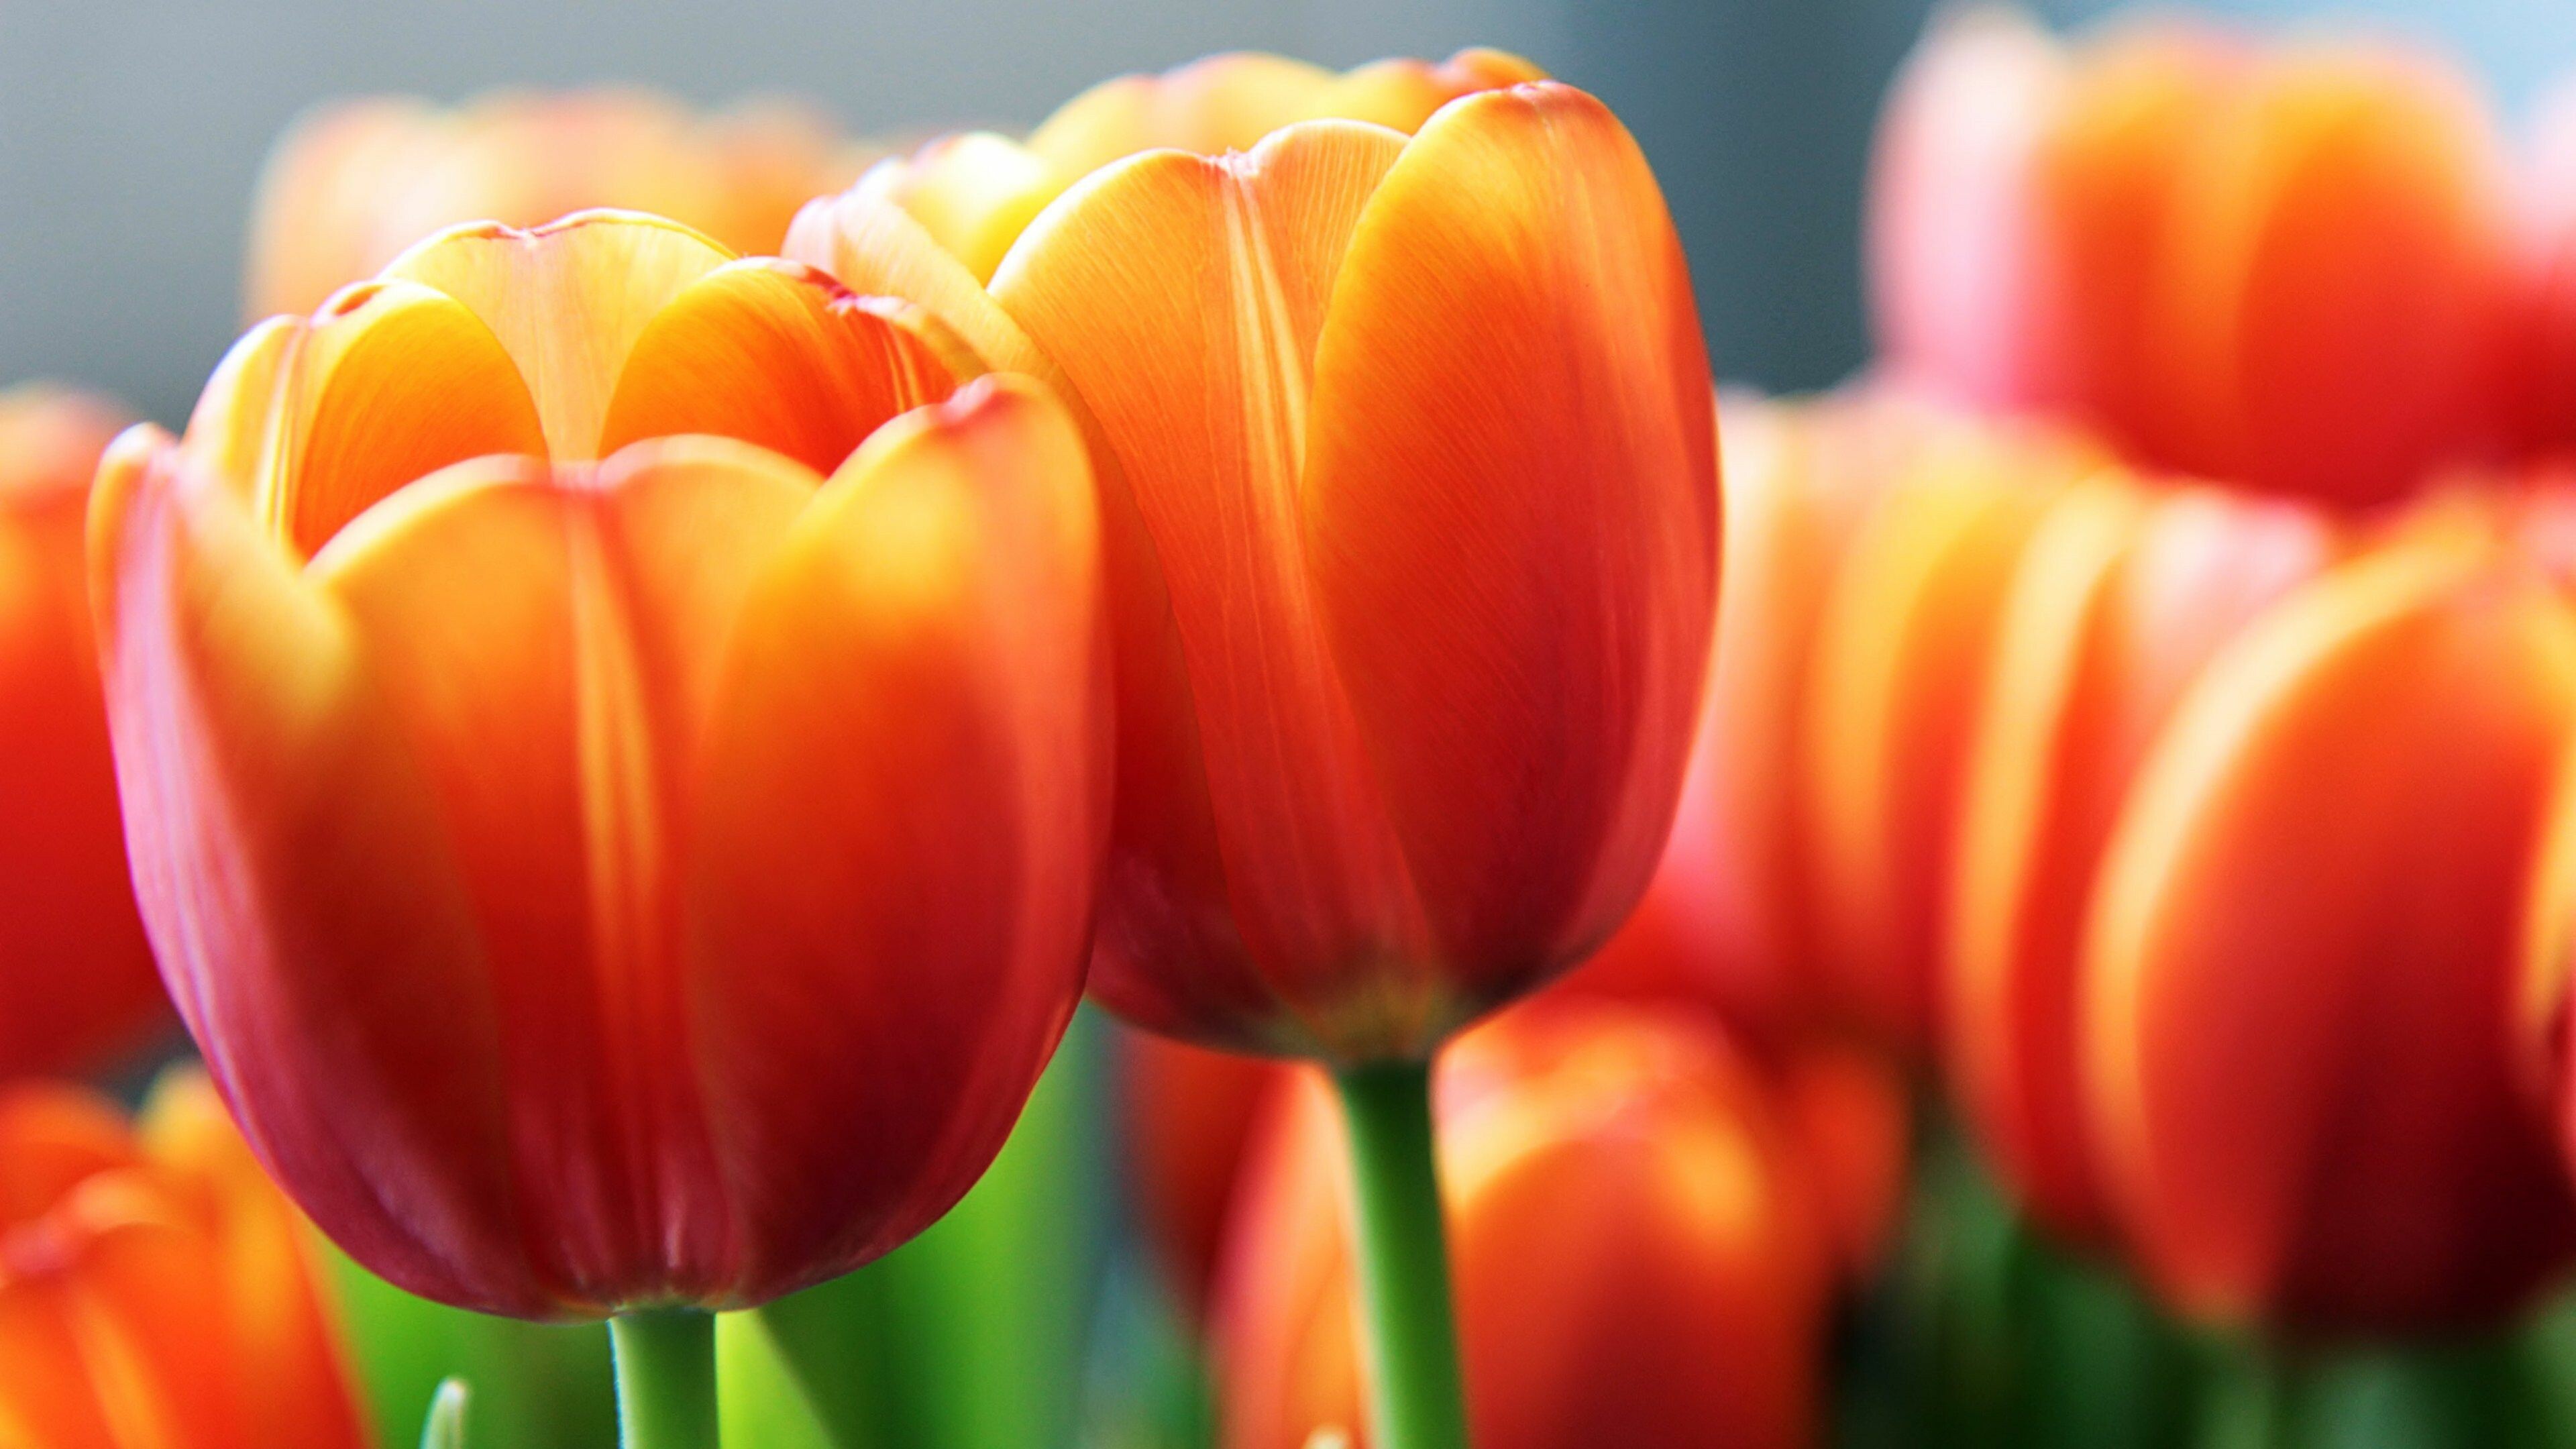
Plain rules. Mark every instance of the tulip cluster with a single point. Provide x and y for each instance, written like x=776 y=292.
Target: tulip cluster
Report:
x=631 y=749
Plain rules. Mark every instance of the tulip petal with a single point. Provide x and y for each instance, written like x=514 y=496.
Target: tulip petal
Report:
x=567 y=300
x=1182 y=296
x=51 y=1137
x=2301 y=958
x=2118 y=603
x=1217 y=104
x=546 y=649
x=775 y=353
x=1510 y=511
x=1900 y=659
x=253 y=761
x=903 y=797
x=874 y=247
x=1402 y=93
x=392 y=382
x=975 y=193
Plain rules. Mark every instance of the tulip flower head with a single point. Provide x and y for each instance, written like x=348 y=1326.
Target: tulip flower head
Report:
x=2302 y=956
x=1638 y=1249
x=613 y=739
x=155 y=1289
x=76 y=981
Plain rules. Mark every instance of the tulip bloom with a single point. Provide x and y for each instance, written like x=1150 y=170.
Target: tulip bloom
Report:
x=156 y=1290
x=352 y=184
x=616 y=845
x=2286 y=268
x=1639 y=1260
x=2302 y=955
x=2121 y=598
x=77 y=986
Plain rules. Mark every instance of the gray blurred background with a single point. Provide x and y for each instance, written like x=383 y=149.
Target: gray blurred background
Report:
x=130 y=130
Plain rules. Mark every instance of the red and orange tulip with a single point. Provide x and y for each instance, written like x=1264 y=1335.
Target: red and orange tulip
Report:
x=76 y=980
x=352 y=184
x=2122 y=596
x=616 y=844
x=1639 y=1254
x=2302 y=955
x=2290 y=269
x=155 y=1289
x=1420 y=438
x=1374 y=777
x=1191 y=1117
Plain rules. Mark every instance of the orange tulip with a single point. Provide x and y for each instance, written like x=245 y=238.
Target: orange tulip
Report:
x=352 y=184
x=1901 y=646
x=2301 y=957
x=155 y=1289
x=2289 y=269
x=1638 y=1256
x=76 y=981
x=615 y=844
x=1419 y=438
x=2121 y=598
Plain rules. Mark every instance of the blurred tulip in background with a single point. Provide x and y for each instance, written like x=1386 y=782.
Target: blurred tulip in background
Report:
x=156 y=1291
x=77 y=988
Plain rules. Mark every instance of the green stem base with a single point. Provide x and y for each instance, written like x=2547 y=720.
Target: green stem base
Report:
x=1417 y=1398
x=666 y=1378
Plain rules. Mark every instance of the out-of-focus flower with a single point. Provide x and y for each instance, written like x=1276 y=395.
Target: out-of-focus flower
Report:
x=352 y=184
x=616 y=844
x=155 y=1289
x=1902 y=642
x=76 y=980
x=1639 y=1255
x=1190 y=1115
x=2547 y=408
x=2123 y=594
x=2289 y=268
x=2301 y=958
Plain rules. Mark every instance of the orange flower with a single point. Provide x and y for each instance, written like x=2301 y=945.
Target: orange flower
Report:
x=615 y=844
x=76 y=981
x=155 y=1289
x=2121 y=598
x=2287 y=268
x=2301 y=958
x=1419 y=439
x=1408 y=634
x=1638 y=1258
x=352 y=184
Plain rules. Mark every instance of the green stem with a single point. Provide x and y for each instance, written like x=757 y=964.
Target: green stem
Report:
x=666 y=1378
x=1417 y=1401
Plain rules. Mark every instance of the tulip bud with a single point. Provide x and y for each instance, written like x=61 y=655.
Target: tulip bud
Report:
x=2301 y=960
x=1638 y=1256
x=616 y=761
x=154 y=1287
x=2120 y=599
x=77 y=987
